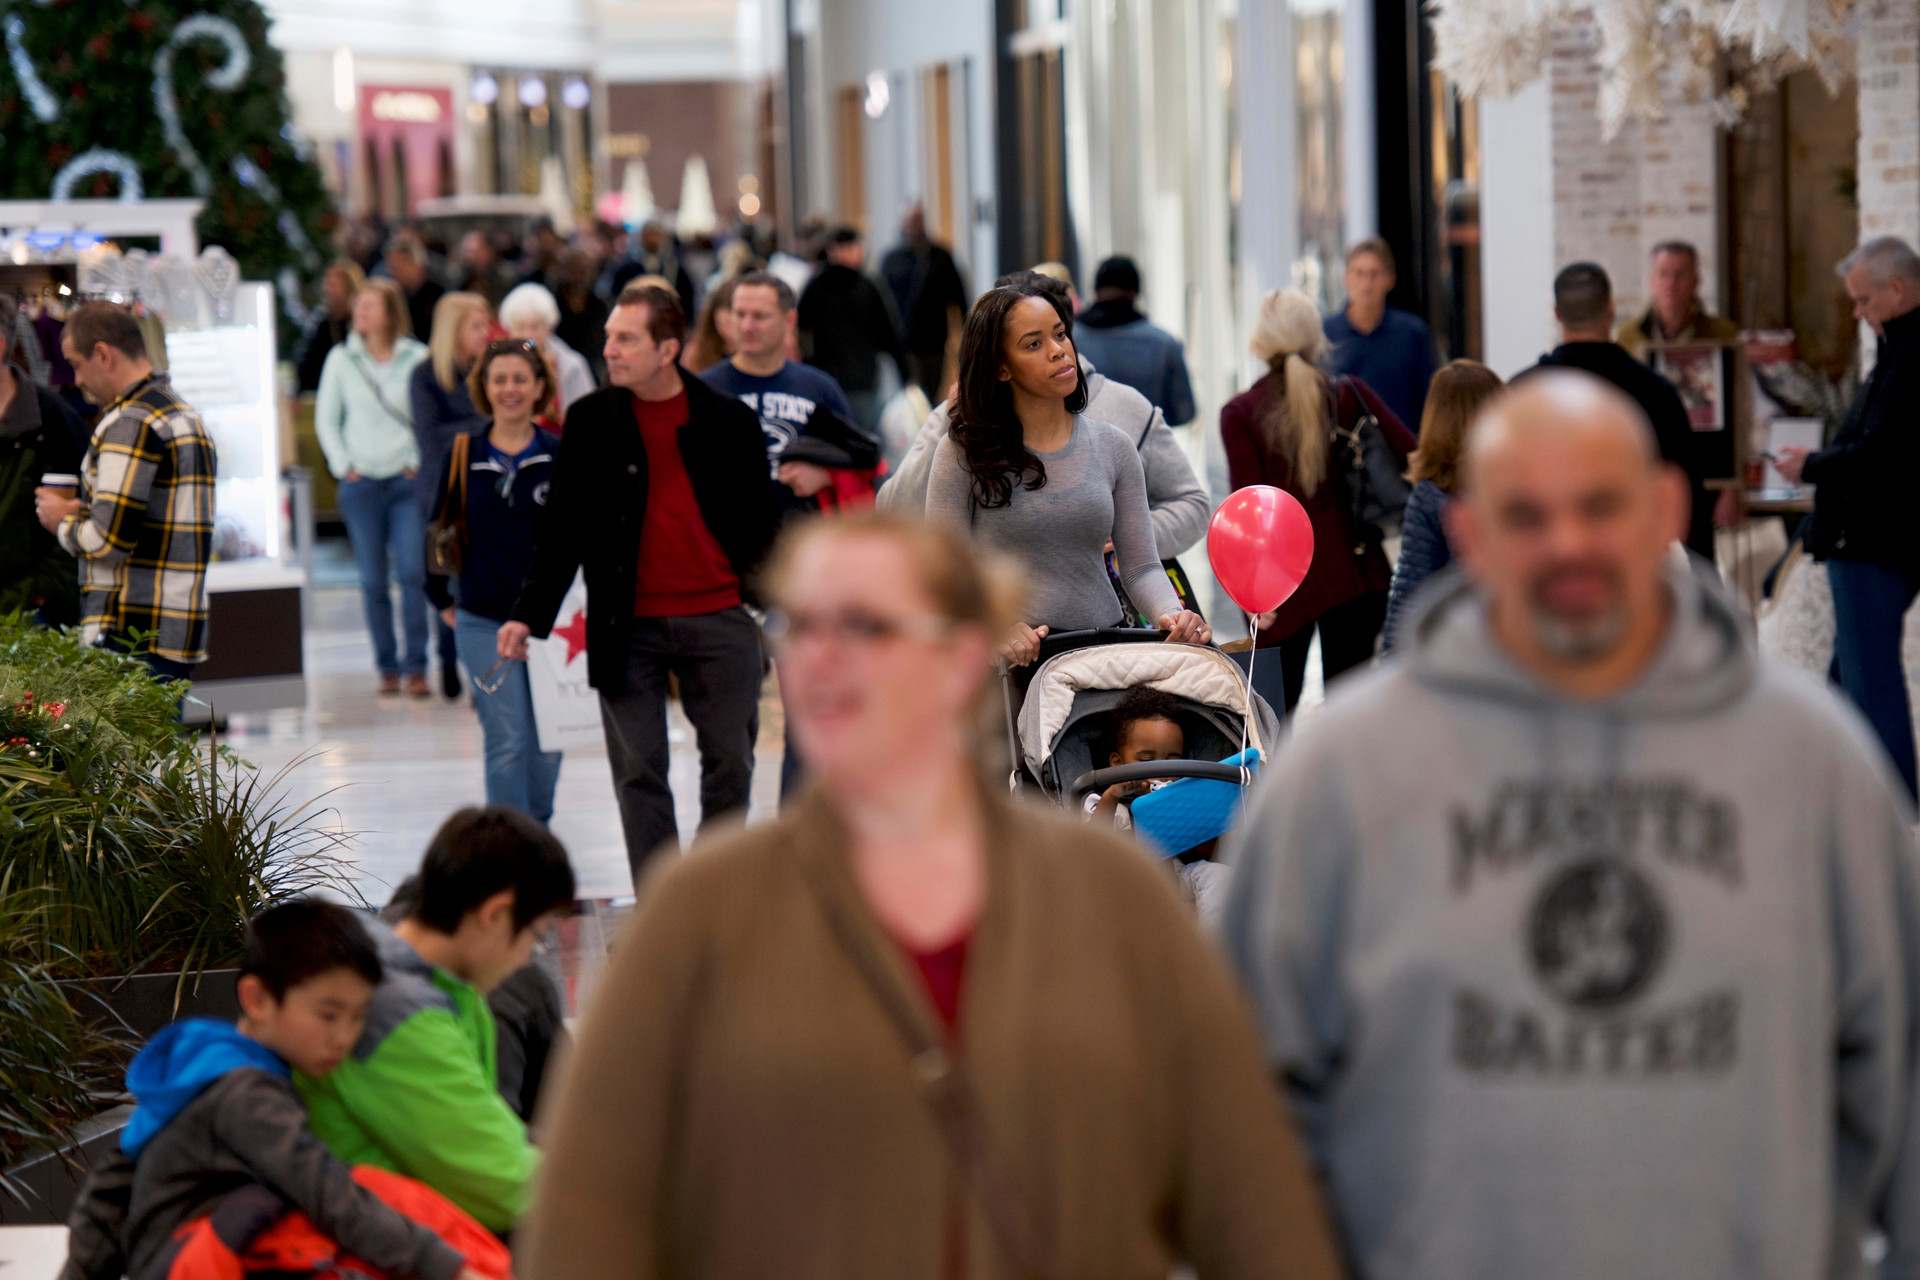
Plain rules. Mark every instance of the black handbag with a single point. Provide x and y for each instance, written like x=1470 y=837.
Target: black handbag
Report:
x=1370 y=471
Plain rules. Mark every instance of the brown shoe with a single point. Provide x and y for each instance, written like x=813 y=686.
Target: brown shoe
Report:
x=389 y=685
x=417 y=687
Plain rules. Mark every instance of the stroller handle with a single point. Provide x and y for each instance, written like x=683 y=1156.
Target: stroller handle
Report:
x=1061 y=641
x=1150 y=770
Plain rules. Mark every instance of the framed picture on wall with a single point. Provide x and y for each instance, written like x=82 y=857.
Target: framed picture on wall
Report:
x=1702 y=373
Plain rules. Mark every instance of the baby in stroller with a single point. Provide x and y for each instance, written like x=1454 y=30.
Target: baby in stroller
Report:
x=1146 y=726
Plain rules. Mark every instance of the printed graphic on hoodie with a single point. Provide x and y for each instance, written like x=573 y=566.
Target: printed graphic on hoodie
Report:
x=1597 y=931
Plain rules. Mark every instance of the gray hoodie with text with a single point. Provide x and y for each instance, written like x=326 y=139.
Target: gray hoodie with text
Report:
x=1570 y=990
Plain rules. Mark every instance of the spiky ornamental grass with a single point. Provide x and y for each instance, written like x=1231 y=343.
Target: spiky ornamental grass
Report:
x=139 y=848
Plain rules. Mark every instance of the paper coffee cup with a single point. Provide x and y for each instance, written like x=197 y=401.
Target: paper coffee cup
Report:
x=60 y=480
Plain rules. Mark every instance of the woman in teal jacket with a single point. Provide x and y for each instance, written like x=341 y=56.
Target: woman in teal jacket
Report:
x=365 y=427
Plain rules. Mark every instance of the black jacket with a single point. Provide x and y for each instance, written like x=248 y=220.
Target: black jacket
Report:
x=247 y=1128
x=1664 y=409
x=598 y=503
x=500 y=527
x=846 y=323
x=1863 y=481
x=39 y=434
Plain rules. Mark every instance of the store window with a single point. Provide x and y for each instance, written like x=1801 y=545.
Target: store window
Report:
x=1453 y=300
x=1319 y=79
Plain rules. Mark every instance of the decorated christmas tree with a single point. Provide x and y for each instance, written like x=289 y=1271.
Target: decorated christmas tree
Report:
x=137 y=99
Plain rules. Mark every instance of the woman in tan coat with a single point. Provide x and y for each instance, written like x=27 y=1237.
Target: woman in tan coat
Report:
x=913 y=1031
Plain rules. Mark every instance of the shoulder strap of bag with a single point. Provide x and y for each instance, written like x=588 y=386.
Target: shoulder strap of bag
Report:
x=457 y=467
x=405 y=420
x=944 y=1084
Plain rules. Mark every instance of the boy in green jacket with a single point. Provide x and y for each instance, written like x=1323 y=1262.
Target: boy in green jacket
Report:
x=418 y=1094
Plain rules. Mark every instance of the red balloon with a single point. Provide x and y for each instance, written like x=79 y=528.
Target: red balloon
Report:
x=1260 y=543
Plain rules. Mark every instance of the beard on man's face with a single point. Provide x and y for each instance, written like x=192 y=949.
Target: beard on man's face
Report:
x=1577 y=609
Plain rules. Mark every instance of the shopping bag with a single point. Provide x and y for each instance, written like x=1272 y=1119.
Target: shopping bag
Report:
x=566 y=710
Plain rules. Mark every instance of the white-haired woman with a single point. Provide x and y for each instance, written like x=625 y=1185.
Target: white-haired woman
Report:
x=530 y=311
x=1277 y=432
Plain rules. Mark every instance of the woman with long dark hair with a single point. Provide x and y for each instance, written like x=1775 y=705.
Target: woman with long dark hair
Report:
x=1025 y=470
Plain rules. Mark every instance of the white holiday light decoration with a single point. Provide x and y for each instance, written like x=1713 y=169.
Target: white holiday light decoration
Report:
x=1498 y=46
x=225 y=78
x=99 y=160
x=40 y=99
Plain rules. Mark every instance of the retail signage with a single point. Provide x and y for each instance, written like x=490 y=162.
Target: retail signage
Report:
x=408 y=105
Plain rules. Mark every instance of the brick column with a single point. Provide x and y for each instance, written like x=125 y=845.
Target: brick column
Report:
x=1613 y=201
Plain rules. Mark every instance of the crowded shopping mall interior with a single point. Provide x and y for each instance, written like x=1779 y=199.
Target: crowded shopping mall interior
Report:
x=631 y=639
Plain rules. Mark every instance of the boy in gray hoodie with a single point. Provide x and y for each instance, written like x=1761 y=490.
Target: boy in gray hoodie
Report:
x=1585 y=941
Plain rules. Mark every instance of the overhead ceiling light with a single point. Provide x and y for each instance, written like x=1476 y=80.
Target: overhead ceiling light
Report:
x=484 y=90
x=879 y=94
x=533 y=91
x=575 y=93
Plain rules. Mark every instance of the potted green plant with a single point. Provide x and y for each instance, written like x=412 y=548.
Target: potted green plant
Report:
x=137 y=854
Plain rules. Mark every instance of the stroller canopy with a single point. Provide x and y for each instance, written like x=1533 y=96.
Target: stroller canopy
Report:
x=1195 y=673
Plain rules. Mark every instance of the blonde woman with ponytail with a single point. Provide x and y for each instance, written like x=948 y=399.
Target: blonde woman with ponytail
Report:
x=1278 y=432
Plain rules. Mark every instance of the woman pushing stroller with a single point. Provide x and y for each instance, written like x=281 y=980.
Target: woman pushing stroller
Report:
x=1026 y=471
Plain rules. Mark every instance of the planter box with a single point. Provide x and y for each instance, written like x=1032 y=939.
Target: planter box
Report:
x=143 y=1003
x=135 y=1006
x=50 y=1183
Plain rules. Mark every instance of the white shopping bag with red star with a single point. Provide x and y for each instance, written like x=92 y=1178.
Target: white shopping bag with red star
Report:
x=566 y=710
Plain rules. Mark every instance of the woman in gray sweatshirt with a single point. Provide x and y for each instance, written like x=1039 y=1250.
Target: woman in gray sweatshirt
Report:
x=1024 y=470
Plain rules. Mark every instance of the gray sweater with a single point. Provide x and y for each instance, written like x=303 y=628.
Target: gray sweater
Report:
x=1578 y=990
x=1095 y=489
x=1180 y=506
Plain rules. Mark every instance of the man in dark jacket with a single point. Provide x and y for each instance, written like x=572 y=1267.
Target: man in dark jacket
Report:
x=1583 y=303
x=929 y=294
x=1126 y=346
x=661 y=495
x=847 y=323
x=1862 y=523
x=39 y=436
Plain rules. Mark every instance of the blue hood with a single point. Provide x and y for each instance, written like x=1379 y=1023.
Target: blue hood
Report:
x=177 y=1064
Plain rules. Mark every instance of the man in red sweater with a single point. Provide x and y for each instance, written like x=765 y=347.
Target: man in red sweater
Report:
x=661 y=495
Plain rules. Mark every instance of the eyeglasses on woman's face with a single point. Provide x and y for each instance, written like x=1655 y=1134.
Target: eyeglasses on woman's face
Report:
x=852 y=628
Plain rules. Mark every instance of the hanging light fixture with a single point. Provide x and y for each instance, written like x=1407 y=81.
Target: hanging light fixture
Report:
x=1499 y=46
x=575 y=93
x=533 y=91
x=484 y=90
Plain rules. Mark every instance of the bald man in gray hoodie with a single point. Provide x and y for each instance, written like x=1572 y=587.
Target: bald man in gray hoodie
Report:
x=1586 y=940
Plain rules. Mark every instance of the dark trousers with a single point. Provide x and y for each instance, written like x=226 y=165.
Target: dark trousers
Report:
x=716 y=657
x=1870 y=604
x=1347 y=635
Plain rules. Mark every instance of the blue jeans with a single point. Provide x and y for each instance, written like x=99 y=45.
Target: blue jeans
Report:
x=389 y=535
x=1870 y=604
x=519 y=774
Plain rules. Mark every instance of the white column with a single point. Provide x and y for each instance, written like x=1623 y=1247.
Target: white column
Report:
x=1517 y=227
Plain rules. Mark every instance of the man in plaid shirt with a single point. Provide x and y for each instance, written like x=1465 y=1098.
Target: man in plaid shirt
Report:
x=143 y=529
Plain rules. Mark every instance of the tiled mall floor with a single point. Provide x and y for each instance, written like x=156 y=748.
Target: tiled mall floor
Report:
x=392 y=769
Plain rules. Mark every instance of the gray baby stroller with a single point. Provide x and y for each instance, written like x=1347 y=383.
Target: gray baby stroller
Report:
x=1059 y=729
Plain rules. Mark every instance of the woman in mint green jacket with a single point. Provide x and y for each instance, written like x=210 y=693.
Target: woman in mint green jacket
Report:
x=363 y=420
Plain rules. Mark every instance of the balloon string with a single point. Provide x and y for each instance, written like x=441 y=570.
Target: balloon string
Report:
x=1246 y=721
